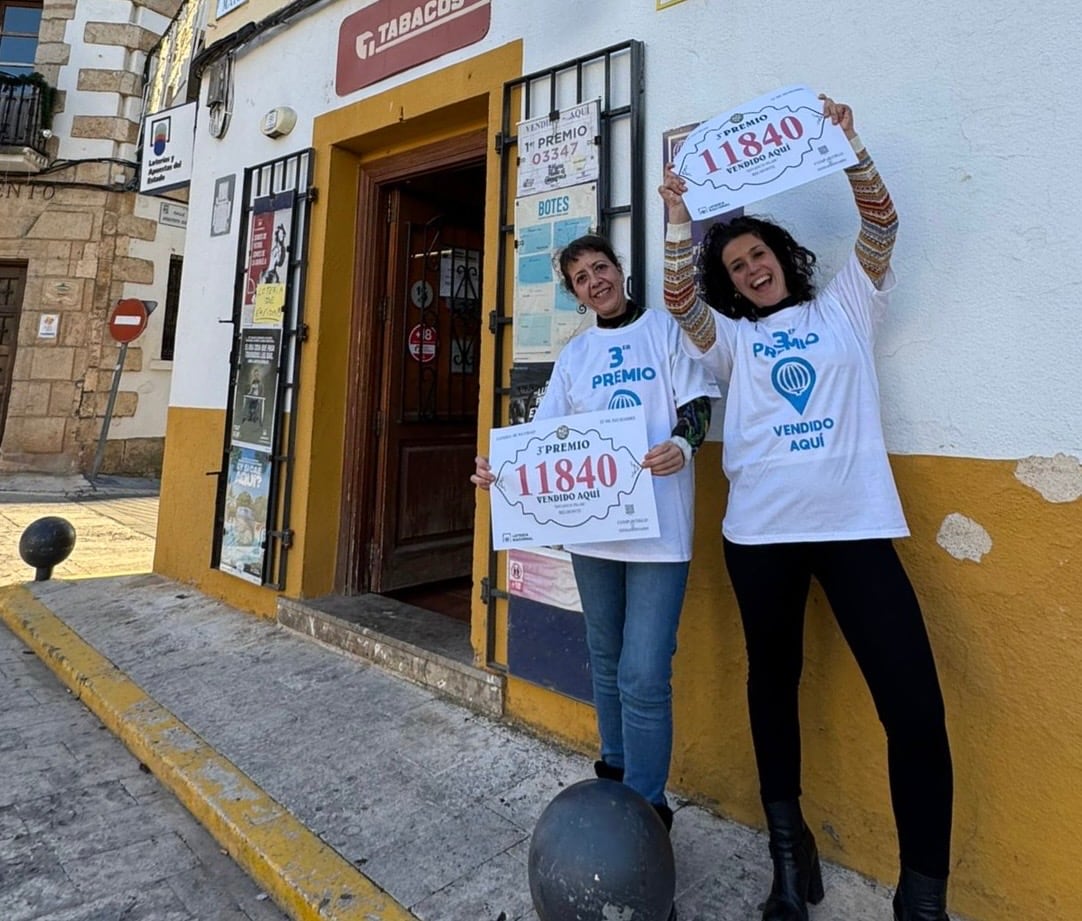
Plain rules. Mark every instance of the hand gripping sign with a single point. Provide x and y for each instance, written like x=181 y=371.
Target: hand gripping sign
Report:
x=766 y=146
x=572 y=480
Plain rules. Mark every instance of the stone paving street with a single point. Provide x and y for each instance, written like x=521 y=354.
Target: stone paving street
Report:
x=114 y=525
x=85 y=833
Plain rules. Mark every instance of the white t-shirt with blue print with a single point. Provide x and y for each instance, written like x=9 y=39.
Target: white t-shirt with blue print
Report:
x=803 y=439
x=638 y=364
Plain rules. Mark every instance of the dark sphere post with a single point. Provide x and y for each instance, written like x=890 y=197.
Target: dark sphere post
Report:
x=45 y=543
x=599 y=851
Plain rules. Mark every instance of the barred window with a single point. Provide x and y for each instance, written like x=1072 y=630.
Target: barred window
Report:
x=172 y=305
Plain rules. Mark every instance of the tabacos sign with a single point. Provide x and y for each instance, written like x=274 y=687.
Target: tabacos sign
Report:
x=391 y=36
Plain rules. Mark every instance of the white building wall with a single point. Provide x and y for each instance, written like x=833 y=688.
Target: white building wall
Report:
x=970 y=109
x=87 y=55
x=151 y=382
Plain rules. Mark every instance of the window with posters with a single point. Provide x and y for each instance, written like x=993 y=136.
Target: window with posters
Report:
x=571 y=145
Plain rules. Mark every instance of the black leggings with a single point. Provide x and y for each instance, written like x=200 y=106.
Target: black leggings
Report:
x=878 y=613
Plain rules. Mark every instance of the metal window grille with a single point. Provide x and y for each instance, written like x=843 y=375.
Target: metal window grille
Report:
x=291 y=174
x=613 y=75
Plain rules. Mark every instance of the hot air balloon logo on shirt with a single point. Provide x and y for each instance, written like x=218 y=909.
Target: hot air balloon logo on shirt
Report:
x=159 y=136
x=794 y=379
x=624 y=399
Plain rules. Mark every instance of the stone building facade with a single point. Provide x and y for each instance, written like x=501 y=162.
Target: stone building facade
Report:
x=76 y=237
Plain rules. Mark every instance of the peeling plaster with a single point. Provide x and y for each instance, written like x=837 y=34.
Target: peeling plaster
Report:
x=963 y=538
x=1058 y=479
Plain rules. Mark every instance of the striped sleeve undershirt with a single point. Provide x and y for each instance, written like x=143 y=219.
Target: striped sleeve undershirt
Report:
x=878 y=219
x=691 y=313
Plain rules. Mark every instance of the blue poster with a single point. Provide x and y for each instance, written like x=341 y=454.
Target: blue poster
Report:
x=244 y=530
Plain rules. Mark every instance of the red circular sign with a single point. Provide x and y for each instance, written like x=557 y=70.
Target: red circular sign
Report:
x=422 y=343
x=128 y=319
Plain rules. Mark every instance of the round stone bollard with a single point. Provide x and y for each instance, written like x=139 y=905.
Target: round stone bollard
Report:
x=600 y=852
x=45 y=543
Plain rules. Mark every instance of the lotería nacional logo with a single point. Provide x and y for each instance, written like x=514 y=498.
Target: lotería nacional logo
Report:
x=159 y=135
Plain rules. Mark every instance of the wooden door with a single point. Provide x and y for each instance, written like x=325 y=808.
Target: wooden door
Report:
x=426 y=424
x=12 y=284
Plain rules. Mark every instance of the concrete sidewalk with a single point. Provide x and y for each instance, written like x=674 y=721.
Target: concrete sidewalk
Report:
x=345 y=791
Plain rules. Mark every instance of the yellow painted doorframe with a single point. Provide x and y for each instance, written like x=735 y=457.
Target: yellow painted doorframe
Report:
x=451 y=102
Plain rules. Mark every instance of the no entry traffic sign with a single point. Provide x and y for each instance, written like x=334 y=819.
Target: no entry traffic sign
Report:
x=128 y=319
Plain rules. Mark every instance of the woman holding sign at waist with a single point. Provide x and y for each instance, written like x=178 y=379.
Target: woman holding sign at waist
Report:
x=631 y=590
x=811 y=494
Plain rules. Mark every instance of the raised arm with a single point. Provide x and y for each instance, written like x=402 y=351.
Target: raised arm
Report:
x=878 y=219
x=690 y=311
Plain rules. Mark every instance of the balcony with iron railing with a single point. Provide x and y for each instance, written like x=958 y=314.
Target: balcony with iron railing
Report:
x=26 y=106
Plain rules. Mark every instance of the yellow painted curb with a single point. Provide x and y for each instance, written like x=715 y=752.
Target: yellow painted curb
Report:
x=305 y=877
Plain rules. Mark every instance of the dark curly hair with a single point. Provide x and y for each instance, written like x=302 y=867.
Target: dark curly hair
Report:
x=590 y=243
x=715 y=285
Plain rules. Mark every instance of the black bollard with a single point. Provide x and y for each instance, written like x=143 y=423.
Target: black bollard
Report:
x=45 y=543
x=599 y=852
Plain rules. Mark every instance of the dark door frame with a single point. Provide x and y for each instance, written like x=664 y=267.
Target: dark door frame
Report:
x=18 y=272
x=365 y=370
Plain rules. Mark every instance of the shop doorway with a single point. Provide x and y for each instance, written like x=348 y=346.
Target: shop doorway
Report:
x=12 y=285
x=416 y=432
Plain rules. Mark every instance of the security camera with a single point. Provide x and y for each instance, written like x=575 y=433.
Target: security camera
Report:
x=46 y=133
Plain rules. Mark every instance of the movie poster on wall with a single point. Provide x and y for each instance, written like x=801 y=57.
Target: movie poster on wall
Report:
x=671 y=141
x=547 y=315
x=528 y=386
x=268 y=260
x=256 y=393
x=247 y=501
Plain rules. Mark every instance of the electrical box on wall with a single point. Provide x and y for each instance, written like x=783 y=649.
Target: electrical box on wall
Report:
x=218 y=83
x=278 y=121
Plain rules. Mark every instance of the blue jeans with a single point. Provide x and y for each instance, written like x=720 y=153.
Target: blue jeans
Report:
x=632 y=611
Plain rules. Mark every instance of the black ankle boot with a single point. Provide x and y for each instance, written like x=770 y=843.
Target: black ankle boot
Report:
x=920 y=898
x=606 y=771
x=797 y=877
x=664 y=813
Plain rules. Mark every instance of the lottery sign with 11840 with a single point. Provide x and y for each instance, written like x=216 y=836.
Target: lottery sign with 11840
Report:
x=572 y=480
x=766 y=146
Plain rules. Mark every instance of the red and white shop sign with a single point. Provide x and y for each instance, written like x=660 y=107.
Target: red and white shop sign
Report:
x=422 y=343
x=391 y=36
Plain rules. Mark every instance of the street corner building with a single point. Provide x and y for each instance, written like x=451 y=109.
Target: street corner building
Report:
x=76 y=238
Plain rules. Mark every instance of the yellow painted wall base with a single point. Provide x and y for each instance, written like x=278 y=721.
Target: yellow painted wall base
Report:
x=1008 y=643
x=193 y=448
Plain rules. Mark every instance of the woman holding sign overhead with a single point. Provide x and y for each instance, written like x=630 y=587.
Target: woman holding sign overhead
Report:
x=631 y=590
x=811 y=494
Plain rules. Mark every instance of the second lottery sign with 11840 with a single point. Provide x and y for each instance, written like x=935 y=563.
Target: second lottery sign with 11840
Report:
x=572 y=480
x=768 y=145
